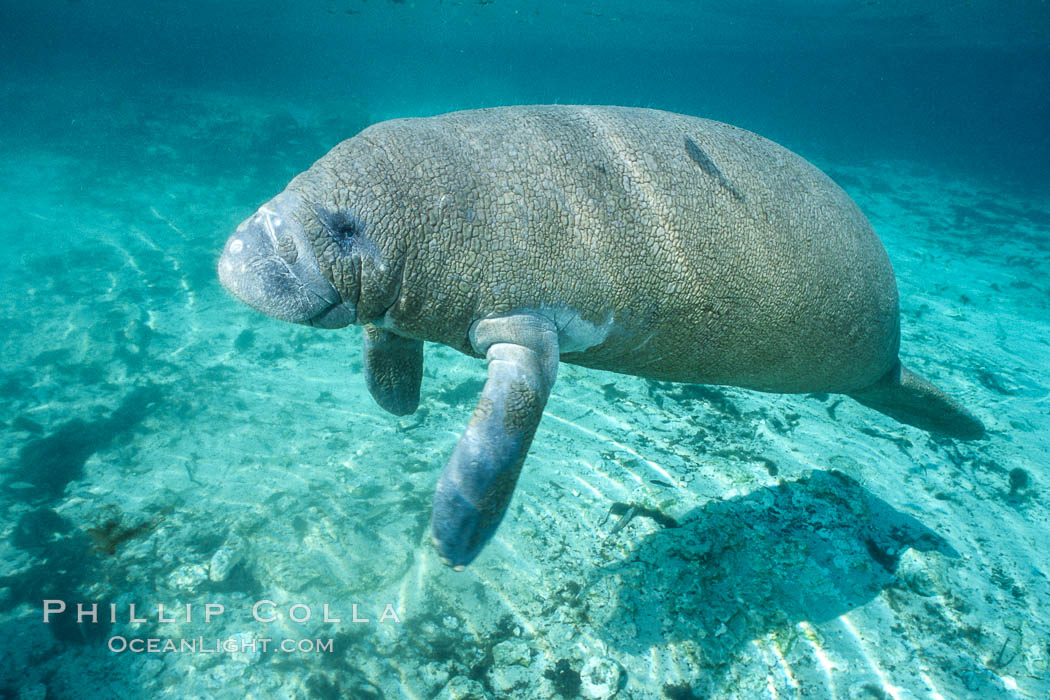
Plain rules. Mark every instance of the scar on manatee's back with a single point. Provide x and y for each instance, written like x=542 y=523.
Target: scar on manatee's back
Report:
x=697 y=155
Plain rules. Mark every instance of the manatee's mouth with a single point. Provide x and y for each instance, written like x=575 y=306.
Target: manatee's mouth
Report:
x=335 y=316
x=268 y=284
x=270 y=265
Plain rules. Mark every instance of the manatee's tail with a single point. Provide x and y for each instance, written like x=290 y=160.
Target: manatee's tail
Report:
x=908 y=398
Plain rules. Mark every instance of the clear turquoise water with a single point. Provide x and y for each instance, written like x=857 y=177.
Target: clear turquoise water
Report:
x=164 y=444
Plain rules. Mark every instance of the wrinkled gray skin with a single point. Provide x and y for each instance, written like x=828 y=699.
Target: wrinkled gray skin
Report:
x=628 y=240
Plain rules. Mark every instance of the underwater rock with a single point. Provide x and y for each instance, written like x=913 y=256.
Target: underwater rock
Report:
x=600 y=678
x=434 y=676
x=224 y=676
x=463 y=688
x=1019 y=481
x=188 y=578
x=511 y=652
x=512 y=667
x=565 y=678
x=225 y=558
x=509 y=681
x=918 y=572
x=247 y=653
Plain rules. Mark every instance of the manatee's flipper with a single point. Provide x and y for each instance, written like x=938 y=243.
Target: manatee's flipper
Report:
x=908 y=398
x=476 y=486
x=393 y=369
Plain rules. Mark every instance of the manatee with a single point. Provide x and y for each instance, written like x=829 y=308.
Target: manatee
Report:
x=629 y=240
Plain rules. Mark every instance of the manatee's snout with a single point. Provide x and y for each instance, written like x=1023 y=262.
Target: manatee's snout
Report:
x=269 y=264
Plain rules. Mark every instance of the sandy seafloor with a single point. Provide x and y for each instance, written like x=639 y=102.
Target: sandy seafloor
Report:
x=165 y=444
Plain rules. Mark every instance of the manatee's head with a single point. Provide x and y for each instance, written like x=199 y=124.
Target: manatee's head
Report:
x=272 y=264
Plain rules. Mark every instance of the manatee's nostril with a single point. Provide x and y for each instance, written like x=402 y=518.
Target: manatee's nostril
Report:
x=236 y=245
x=286 y=250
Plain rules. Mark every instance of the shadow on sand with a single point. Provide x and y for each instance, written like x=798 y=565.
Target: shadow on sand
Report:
x=741 y=569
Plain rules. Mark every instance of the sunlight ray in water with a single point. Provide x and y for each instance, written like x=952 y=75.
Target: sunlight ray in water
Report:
x=770 y=660
x=603 y=476
x=412 y=585
x=865 y=653
x=618 y=445
x=931 y=687
x=782 y=663
x=130 y=258
x=826 y=664
x=509 y=603
x=587 y=485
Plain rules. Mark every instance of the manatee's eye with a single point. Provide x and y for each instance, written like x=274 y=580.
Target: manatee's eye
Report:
x=341 y=226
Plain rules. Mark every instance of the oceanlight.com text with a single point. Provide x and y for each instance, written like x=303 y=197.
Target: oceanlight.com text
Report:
x=230 y=645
